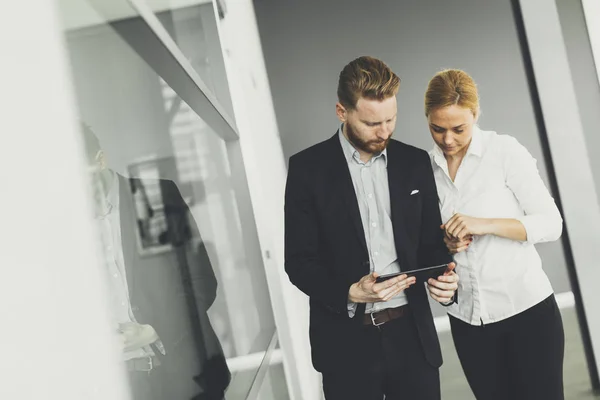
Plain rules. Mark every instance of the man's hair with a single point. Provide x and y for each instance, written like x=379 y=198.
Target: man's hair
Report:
x=90 y=141
x=366 y=77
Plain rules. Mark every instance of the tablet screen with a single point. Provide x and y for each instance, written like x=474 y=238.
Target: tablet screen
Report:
x=422 y=274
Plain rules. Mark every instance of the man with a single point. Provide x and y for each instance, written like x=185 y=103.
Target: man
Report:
x=158 y=302
x=358 y=206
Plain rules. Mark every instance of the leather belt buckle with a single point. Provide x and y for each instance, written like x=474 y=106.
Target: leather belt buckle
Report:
x=385 y=315
x=145 y=364
x=373 y=319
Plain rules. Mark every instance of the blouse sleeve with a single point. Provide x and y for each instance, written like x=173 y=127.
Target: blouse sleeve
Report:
x=542 y=220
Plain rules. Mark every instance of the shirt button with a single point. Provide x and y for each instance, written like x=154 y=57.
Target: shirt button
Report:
x=376 y=253
x=115 y=275
x=373 y=224
x=370 y=195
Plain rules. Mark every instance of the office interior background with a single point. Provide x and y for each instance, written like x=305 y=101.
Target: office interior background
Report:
x=216 y=96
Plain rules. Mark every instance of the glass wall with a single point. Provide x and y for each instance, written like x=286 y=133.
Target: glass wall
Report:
x=184 y=274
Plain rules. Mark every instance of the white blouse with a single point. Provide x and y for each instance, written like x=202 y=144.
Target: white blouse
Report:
x=498 y=178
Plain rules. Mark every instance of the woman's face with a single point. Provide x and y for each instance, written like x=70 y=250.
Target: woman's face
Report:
x=451 y=128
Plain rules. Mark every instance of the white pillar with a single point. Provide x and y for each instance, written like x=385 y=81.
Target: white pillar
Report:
x=591 y=9
x=266 y=171
x=570 y=156
x=54 y=322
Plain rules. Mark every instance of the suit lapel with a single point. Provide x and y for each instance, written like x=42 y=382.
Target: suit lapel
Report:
x=398 y=172
x=343 y=181
x=128 y=233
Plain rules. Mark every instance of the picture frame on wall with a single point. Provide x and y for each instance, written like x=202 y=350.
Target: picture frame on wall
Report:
x=152 y=230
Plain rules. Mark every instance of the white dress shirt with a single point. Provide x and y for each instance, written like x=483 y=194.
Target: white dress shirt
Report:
x=370 y=181
x=498 y=178
x=109 y=221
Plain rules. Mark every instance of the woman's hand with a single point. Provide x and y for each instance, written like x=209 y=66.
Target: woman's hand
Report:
x=460 y=227
x=456 y=245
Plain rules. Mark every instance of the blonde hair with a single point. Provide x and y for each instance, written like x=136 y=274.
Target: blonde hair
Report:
x=451 y=87
x=366 y=77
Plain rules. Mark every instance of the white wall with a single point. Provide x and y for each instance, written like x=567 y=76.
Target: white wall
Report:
x=568 y=144
x=592 y=17
x=265 y=168
x=55 y=332
x=584 y=71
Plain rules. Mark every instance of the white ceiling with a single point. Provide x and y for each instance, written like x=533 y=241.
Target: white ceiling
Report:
x=79 y=13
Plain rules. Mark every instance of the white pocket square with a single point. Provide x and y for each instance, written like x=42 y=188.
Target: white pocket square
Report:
x=414 y=192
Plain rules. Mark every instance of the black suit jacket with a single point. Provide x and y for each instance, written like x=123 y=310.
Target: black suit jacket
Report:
x=173 y=291
x=326 y=252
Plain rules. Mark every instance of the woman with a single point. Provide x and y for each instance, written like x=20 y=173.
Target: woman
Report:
x=506 y=326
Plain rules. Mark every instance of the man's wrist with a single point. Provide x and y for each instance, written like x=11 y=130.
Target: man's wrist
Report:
x=449 y=303
x=351 y=298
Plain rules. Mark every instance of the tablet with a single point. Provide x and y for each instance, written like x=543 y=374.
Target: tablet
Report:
x=422 y=274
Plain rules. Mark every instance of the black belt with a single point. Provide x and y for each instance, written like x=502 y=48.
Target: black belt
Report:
x=381 y=317
x=144 y=364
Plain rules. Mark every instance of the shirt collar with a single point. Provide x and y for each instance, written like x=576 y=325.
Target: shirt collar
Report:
x=475 y=147
x=351 y=153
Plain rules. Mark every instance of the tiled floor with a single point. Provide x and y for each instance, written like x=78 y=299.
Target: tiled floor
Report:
x=454 y=384
x=577 y=381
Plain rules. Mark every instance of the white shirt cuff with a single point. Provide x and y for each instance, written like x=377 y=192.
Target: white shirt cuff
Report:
x=351 y=309
x=541 y=228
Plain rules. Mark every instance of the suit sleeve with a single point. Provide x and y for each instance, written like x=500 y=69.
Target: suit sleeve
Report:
x=181 y=228
x=302 y=240
x=432 y=249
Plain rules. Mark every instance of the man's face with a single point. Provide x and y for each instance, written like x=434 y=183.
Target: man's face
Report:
x=97 y=161
x=452 y=129
x=369 y=126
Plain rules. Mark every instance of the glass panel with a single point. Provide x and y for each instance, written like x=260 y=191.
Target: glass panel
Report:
x=192 y=25
x=274 y=386
x=186 y=286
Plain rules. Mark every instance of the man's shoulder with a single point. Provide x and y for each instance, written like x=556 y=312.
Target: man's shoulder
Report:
x=137 y=182
x=501 y=145
x=315 y=152
x=406 y=150
x=153 y=181
x=171 y=195
x=317 y=156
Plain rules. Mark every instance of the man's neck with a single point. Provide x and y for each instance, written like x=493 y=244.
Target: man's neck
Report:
x=107 y=178
x=364 y=156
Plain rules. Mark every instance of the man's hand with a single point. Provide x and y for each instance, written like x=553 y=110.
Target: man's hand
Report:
x=368 y=291
x=461 y=226
x=442 y=289
x=457 y=245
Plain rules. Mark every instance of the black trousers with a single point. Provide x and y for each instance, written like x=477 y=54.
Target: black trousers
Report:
x=520 y=358
x=396 y=367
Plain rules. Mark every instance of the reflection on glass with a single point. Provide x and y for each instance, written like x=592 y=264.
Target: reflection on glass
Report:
x=192 y=25
x=273 y=387
x=187 y=288
x=169 y=346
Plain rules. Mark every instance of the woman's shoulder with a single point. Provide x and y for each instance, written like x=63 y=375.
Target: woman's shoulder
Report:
x=503 y=144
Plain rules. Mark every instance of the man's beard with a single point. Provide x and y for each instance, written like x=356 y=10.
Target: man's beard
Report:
x=371 y=147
